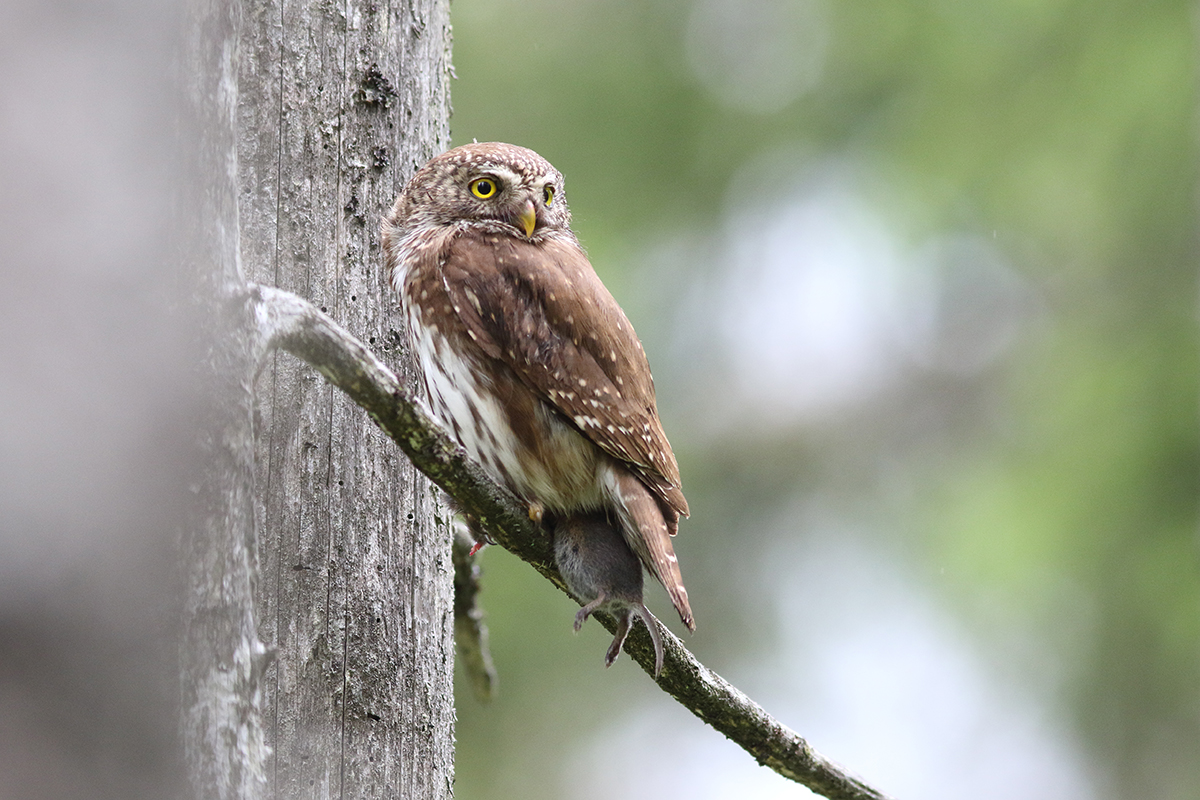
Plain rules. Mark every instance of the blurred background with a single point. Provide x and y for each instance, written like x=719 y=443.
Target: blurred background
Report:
x=918 y=284
x=97 y=401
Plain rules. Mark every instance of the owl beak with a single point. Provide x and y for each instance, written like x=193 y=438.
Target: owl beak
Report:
x=528 y=218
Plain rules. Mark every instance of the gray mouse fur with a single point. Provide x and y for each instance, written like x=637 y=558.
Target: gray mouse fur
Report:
x=602 y=572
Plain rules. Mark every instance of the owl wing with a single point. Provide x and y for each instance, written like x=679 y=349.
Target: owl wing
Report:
x=542 y=310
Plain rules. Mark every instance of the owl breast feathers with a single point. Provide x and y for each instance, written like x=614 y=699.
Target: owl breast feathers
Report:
x=525 y=356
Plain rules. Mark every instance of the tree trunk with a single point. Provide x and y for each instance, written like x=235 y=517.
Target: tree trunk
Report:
x=348 y=580
x=338 y=106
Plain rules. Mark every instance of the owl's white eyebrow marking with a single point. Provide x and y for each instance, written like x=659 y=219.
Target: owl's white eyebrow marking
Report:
x=503 y=174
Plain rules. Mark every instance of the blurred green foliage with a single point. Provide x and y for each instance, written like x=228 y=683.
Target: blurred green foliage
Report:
x=1065 y=130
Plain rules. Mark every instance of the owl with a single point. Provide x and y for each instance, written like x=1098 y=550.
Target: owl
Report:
x=525 y=356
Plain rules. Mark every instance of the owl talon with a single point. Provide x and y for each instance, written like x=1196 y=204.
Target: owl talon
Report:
x=536 y=512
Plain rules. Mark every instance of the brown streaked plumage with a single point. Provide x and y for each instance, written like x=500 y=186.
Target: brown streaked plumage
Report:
x=525 y=355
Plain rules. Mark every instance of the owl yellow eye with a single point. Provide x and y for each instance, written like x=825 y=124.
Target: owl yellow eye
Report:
x=548 y=196
x=483 y=188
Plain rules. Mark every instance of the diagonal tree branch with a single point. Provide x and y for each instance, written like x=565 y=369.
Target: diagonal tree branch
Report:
x=287 y=321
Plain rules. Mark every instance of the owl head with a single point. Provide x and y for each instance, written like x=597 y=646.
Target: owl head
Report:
x=508 y=189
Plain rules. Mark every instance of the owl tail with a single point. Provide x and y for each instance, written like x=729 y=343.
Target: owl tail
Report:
x=648 y=531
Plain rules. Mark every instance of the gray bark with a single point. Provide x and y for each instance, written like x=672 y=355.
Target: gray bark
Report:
x=221 y=654
x=339 y=104
x=318 y=655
